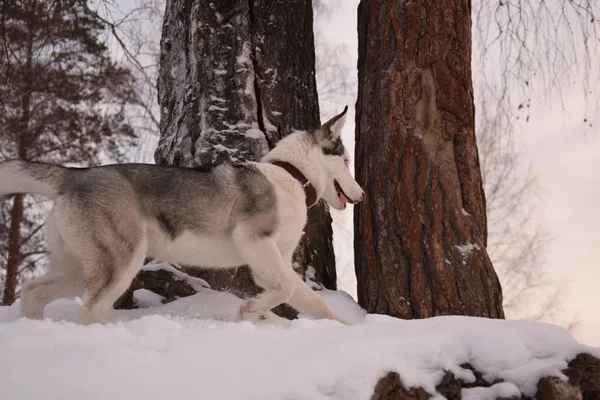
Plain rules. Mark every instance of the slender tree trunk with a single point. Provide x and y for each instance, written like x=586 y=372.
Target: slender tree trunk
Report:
x=420 y=236
x=14 y=251
x=16 y=215
x=235 y=77
x=16 y=218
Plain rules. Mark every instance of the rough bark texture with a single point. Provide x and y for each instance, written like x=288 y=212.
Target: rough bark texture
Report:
x=420 y=236
x=235 y=77
x=583 y=383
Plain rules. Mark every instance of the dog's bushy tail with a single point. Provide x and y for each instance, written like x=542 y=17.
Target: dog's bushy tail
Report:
x=20 y=176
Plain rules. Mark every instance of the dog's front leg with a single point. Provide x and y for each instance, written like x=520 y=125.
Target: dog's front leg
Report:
x=307 y=301
x=269 y=269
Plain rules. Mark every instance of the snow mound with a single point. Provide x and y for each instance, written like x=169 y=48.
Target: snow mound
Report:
x=186 y=349
x=344 y=306
x=196 y=283
x=144 y=298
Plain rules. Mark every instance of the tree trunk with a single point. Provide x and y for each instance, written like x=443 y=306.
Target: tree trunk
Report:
x=420 y=236
x=235 y=77
x=14 y=251
x=16 y=214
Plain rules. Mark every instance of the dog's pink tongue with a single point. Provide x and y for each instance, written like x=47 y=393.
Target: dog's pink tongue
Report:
x=343 y=198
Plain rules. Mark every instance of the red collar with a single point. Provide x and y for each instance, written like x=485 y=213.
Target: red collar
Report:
x=309 y=189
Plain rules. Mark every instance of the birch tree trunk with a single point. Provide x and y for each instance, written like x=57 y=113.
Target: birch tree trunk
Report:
x=235 y=77
x=420 y=236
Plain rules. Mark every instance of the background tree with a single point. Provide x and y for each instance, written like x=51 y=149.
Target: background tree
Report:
x=430 y=258
x=62 y=100
x=235 y=77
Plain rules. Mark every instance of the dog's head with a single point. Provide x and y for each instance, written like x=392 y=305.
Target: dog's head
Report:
x=341 y=188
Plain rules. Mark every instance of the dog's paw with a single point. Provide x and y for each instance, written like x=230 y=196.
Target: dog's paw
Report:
x=249 y=311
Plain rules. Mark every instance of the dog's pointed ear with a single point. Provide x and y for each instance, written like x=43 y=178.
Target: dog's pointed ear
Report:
x=331 y=130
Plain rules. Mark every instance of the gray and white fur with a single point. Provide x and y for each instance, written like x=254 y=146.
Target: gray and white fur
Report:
x=106 y=220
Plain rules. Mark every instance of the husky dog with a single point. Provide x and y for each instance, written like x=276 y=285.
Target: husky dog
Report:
x=107 y=219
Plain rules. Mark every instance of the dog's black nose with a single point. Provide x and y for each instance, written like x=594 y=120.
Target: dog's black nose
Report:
x=362 y=197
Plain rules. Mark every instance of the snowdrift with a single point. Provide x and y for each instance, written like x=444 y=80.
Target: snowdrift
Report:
x=194 y=348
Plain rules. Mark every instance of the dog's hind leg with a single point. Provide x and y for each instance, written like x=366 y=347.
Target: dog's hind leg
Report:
x=269 y=270
x=106 y=278
x=38 y=293
x=63 y=280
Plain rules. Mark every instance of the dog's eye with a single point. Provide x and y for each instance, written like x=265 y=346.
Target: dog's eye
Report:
x=346 y=162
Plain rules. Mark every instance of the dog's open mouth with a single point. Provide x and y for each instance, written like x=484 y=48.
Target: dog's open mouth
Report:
x=341 y=195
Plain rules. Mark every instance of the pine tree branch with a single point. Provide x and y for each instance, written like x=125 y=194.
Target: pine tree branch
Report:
x=33 y=253
x=32 y=233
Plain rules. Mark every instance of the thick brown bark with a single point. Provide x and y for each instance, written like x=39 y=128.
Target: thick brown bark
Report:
x=235 y=77
x=14 y=251
x=420 y=236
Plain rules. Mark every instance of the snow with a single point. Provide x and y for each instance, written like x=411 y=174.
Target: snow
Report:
x=499 y=390
x=466 y=250
x=216 y=108
x=344 y=304
x=268 y=124
x=220 y=147
x=196 y=347
x=309 y=278
x=242 y=59
x=243 y=64
x=218 y=99
x=144 y=298
x=255 y=133
x=196 y=283
x=203 y=124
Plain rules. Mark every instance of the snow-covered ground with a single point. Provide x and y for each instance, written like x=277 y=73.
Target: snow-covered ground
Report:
x=191 y=349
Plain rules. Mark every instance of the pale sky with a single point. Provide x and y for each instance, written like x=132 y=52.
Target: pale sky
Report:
x=568 y=162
